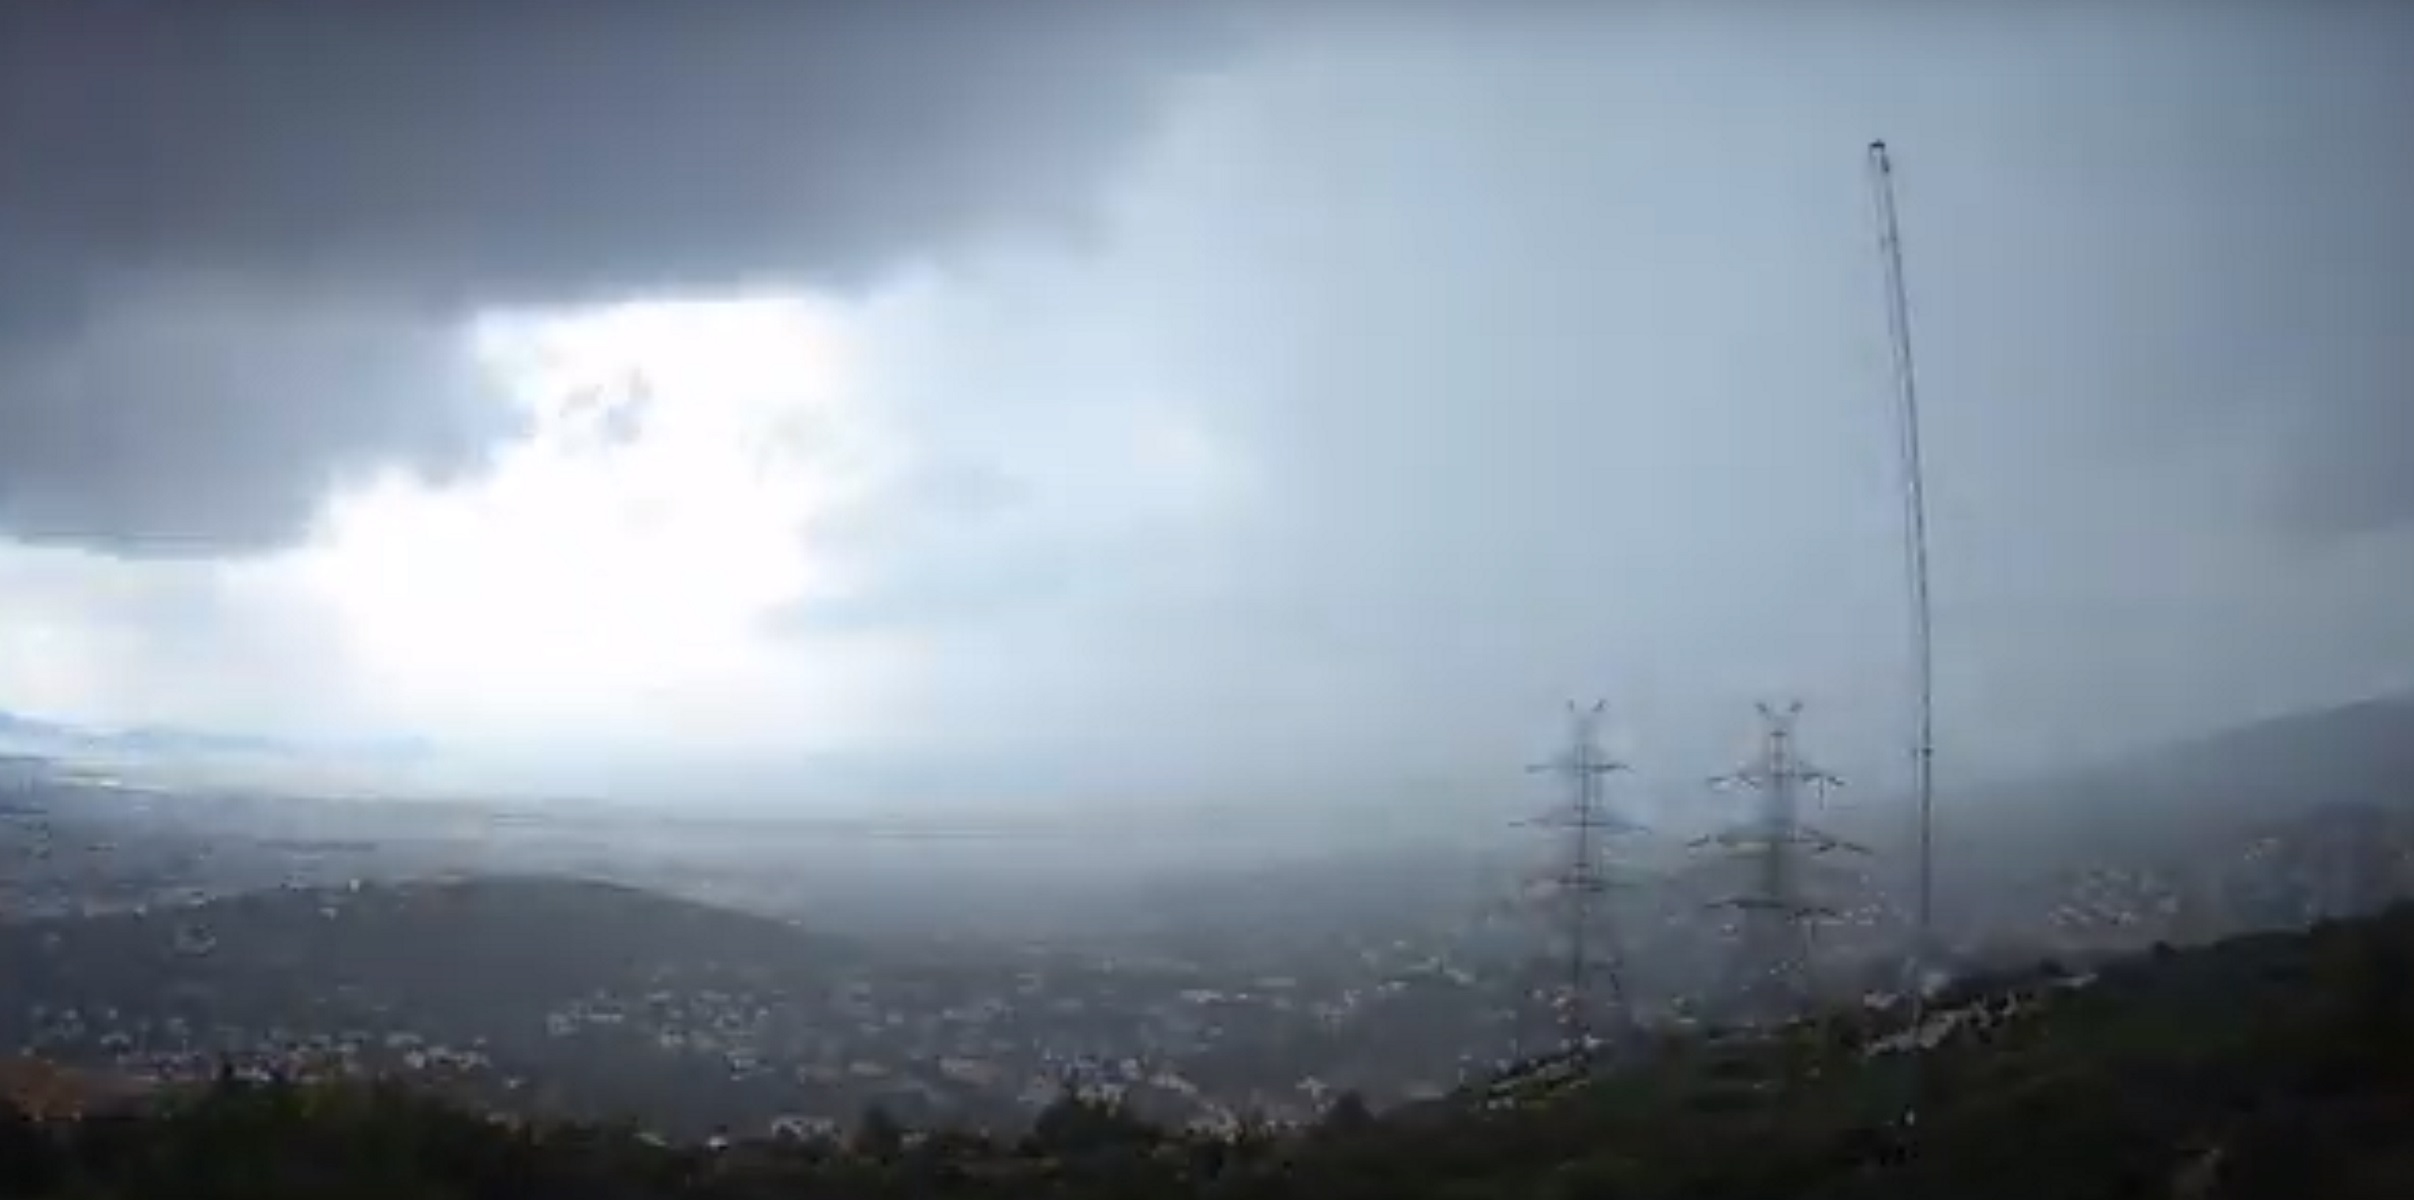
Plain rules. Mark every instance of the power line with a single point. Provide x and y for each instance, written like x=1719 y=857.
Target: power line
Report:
x=1583 y=875
x=1771 y=973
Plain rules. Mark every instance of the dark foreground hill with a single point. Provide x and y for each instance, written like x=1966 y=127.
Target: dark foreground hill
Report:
x=2273 y=1066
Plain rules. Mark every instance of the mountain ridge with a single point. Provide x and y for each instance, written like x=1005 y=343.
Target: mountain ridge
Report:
x=2159 y=802
x=32 y=733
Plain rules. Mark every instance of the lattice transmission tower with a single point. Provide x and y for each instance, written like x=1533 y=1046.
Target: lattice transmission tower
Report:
x=1777 y=909
x=1590 y=957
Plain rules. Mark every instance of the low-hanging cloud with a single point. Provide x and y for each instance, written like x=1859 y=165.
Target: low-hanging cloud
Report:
x=1555 y=358
x=251 y=229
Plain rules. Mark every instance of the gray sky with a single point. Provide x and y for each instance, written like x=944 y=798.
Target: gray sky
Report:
x=1060 y=409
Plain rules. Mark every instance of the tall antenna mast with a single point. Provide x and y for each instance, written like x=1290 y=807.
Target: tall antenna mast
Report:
x=1772 y=966
x=1582 y=875
x=1915 y=532
x=1915 y=555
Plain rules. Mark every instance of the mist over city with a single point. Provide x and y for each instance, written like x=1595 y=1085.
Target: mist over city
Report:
x=739 y=567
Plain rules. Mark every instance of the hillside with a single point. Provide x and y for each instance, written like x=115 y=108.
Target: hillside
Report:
x=502 y=983
x=2354 y=754
x=494 y=941
x=555 y=996
x=2279 y=1065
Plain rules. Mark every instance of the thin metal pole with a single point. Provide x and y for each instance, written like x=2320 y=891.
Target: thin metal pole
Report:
x=1915 y=512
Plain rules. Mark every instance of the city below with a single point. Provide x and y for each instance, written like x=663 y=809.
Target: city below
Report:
x=536 y=965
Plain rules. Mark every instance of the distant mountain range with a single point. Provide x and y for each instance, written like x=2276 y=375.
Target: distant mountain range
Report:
x=22 y=734
x=2162 y=804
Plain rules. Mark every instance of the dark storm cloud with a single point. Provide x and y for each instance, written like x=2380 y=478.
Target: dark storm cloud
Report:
x=390 y=167
x=205 y=419
x=535 y=150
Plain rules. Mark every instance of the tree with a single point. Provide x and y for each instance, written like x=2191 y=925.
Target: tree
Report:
x=1075 y=1124
x=878 y=1135
x=31 y=1161
x=1347 y=1115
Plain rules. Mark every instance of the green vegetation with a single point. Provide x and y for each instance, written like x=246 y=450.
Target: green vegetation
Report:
x=2275 y=1065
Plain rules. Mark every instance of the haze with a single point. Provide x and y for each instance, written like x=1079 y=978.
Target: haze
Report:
x=1085 y=404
